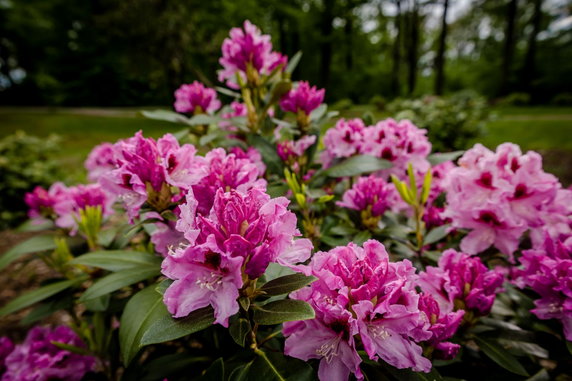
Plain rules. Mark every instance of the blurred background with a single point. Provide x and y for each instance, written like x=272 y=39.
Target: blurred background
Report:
x=467 y=70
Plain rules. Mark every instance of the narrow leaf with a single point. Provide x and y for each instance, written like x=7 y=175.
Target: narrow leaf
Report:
x=287 y=284
x=117 y=260
x=116 y=281
x=281 y=311
x=165 y=115
x=499 y=355
x=32 y=245
x=357 y=165
x=436 y=234
x=293 y=62
x=167 y=328
x=438 y=158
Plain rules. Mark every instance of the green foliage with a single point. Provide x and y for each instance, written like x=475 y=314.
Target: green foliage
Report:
x=453 y=122
x=515 y=99
x=379 y=102
x=25 y=162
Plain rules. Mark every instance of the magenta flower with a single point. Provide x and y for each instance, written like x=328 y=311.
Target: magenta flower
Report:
x=227 y=172
x=6 y=347
x=303 y=98
x=237 y=239
x=41 y=202
x=166 y=237
x=290 y=150
x=195 y=98
x=37 y=359
x=343 y=140
x=548 y=272
x=78 y=198
x=251 y=154
x=442 y=326
x=203 y=276
x=500 y=195
x=100 y=160
x=461 y=282
x=369 y=193
x=245 y=52
x=359 y=292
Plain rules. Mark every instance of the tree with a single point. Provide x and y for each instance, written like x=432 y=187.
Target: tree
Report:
x=529 y=72
x=396 y=51
x=440 y=57
x=413 y=47
x=509 y=44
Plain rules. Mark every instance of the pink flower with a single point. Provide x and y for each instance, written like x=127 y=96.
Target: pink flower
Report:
x=548 y=272
x=6 y=347
x=290 y=150
x=100 y=160
x=368 y=193
x=247 y=50
x=37 y=359
x=303 y=98
x=41 y=202
x=344 y=139
x=461 y=282
x=227 y=172
x=78 y=198
x=443 y=327
x=234 y=241
x=166 y=237
x=237 y=110
x=195 y=98
x=359 y=292
x=251 y=154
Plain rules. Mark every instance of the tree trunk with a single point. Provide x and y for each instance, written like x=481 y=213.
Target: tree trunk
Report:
x=348 y=30
x=509 y=43
x=326 y=44
x=395 y=83
x=529 y=70
x=440 y=58
x=412 y=51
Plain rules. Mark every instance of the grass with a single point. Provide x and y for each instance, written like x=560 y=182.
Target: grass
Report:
x=546 y=129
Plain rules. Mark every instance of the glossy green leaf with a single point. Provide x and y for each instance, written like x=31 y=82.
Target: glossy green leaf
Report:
x=293 y=62
x=281 y=311
x=438 y=158
x=239 y=330
x=436 y=234
x=215 y=372
x=357 y=165
x=287 y=284
x=117 y=260
x=499 y=355
x=269 y=366
x=165 y=115
x=32 y=245
x=167 y=328
x=37 y=295
x=118 y=280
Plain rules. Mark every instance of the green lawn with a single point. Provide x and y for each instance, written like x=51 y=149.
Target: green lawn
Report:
x=546 y=129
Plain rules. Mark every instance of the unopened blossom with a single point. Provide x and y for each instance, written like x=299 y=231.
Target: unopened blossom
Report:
x=461 y=282
x=290 y=150
x=78 y=198
x=235 y=240
x=227 y=172
x=100 y=160
x=195 y=98
x=443 y=326
x=41 y=201
x=249 y=54
x=37 y=359
x=499 y=195
x=548 y=271
x=303 y=98
x=359 y=293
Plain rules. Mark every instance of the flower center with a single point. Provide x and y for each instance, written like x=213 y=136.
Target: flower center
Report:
x=328 y=350
x=210 y=282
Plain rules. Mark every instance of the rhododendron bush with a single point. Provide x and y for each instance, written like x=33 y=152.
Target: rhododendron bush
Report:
x=265 y=240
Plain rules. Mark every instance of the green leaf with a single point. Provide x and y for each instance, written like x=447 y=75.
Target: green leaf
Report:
x=118 y=280
x=357 y=165
x=165 y=115
x=215 y=372
x=268 y=153
x=569 y=346
x=37 y=295
x=32 y=245
x=117 y=260
x=98 y=304
x=361 y=237
x=163 y=286
x=225 y=91
x=499 y=355
x=438 y=158
x=277 y=367
x=293 y=62
x=287 y=284
x=239 y=330
x=71 y=348
x=436 y=234
x=202 y=119
x=141 y=311
x=169 y=365
x=167 y=328
x=283 y=310
x=275 y=270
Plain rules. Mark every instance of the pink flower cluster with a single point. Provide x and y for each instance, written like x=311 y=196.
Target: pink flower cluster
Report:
x=360 y=294
x=303 y=98
x=228 y=245
x=290 y=150
x=548 y=271
x=237 y=109
x=100 y=160
x=499 y=195
x=195 y=98
x=369 y=193
x=245 y=51
x=461 y=282
x=398 y=142
x=37 y=359
x=65 y=203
